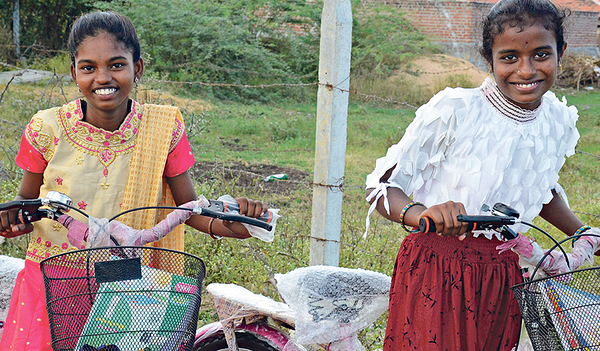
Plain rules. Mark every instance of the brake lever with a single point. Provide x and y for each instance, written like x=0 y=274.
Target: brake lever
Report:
x=25 y=217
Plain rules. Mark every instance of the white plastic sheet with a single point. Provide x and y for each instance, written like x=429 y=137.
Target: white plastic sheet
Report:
x=333 y=304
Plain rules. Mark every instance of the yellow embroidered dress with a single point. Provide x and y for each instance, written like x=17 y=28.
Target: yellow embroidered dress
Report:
x=92 y=167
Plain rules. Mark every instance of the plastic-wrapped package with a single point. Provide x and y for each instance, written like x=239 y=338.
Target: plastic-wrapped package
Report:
x=237 y=305
x=333 y=304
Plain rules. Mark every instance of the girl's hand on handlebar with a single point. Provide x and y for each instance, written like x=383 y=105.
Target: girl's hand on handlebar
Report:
x=10 y=226
x=249 y=208
x=444 y=216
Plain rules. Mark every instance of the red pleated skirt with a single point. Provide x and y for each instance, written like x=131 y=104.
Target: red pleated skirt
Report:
x=454 y=295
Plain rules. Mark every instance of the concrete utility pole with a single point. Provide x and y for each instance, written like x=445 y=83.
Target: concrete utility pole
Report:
x=330 y=148
x=17 y=28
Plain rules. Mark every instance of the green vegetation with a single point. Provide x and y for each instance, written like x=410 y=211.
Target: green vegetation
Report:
x=45 y=24
x=206 y=46
x=241 y=126
x=283 y=135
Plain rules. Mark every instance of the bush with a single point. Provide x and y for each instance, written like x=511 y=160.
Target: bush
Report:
x=205 y=41
x=383 y=40
x=220 y=50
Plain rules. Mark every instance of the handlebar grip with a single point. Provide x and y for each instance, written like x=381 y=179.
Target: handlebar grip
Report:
x=236 y=218
x=427 y=225
x=20 y=204
x=224 y=206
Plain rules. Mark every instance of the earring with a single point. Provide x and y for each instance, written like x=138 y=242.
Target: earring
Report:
x=136 y=84
x=78 y=88
x=491 y=73
x=560 y=66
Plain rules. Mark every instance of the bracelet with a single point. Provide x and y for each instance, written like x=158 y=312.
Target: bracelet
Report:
x=406 y=208
x=582 y=229
x=210 y=223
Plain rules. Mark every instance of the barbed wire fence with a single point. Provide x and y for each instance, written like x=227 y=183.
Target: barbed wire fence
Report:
x=57 y=81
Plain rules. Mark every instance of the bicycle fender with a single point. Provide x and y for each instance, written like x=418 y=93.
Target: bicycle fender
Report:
x=273 y=335
x=207 y=331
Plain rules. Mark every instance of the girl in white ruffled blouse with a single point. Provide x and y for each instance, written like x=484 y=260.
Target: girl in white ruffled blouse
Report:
x=502 y=142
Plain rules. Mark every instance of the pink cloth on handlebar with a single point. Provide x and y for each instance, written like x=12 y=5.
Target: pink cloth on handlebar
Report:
x=78 y=231
x=555 y=263
x=521 y=244
x=100 y=229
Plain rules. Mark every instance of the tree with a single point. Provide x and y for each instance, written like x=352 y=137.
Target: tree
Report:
x=43 y=23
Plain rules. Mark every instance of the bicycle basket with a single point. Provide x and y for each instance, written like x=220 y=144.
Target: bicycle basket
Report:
x=134 y=298
x=562 y=312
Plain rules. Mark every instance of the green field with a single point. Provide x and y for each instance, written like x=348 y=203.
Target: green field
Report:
x=237 y=145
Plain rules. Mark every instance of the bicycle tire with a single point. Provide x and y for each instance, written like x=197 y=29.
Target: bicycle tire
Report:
x=247 y=341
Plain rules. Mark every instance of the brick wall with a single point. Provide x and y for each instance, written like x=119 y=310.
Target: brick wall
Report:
x=457 y=25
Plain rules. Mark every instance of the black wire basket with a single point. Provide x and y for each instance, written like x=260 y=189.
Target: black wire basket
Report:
x=123 y=299
x=562 y=312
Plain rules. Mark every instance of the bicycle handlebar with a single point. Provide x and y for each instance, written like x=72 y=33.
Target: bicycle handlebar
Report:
x=20 y=204
x=58 y=202
x=257 y=222
x=481 y=222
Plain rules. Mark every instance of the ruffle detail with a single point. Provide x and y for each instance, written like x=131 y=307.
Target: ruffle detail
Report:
x=461 y=148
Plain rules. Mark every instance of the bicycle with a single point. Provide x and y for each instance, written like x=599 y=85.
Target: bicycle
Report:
x=123 y=297
x=325 y=309
x=559 y=303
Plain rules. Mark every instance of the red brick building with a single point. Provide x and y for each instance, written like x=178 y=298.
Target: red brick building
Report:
x=457 y=24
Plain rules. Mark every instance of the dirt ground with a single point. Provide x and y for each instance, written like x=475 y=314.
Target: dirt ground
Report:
x=252 y=176
x=436 y=69
x=427 y=71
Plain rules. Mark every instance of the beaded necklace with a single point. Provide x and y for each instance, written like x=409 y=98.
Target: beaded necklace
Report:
x=505 y=106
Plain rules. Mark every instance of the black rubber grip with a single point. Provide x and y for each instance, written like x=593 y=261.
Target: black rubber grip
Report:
x=237 y=218
x=223 y=206
x=20 y=204
x=427 y=225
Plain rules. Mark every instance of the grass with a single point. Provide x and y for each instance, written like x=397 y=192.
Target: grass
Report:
x=283 y=135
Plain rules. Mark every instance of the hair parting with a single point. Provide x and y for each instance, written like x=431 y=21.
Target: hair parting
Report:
x=522 y=13
x=94 y=23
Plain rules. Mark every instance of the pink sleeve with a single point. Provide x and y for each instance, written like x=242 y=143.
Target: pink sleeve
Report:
x=180 y=159
x=29 y=158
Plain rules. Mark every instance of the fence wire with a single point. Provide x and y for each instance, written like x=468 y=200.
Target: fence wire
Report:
x=339 y=184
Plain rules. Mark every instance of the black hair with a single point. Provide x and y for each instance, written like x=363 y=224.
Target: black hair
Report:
x=94 y=23
x=522 y=13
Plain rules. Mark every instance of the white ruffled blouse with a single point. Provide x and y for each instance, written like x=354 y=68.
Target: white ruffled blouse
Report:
x=475 y=147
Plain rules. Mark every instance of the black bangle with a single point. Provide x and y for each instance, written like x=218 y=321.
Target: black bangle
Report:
x=210 y=223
